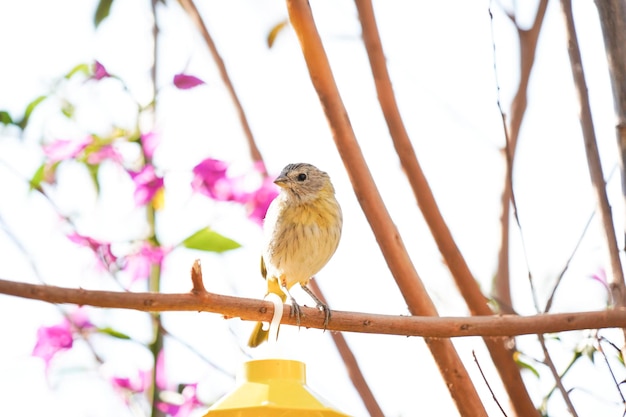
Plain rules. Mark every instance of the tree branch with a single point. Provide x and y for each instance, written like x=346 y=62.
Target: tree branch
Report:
x=450 y=365
x=593 y=156
x=257 y=310
x=191 y=9
x=501 y=356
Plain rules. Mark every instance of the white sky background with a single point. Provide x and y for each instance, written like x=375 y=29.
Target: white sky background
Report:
x=440 y=56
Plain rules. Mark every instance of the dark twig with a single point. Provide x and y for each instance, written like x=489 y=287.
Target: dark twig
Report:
x=354 y=370
x=493 y=395
x=557 y=378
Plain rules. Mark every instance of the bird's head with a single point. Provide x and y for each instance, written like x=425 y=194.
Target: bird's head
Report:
x=304 y=181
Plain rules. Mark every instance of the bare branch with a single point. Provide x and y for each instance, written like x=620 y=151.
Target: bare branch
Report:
x=257 y=310
x=593 y=156
x=557 y=378
x=354 y=370
x=191 y=9
x=450 y=365
x=476 y=301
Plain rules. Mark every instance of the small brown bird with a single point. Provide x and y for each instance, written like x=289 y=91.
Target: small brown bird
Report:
x=302 y=230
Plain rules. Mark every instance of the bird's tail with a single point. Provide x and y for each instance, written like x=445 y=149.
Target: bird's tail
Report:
x=259 y=334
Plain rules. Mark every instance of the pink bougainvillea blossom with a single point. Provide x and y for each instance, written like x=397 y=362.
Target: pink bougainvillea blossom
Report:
x=259 y=201
x=99 y=72
x=138 y=264
x=185 y=81
x=52 y=340
x=101 y=249
x=183 y=408
x=137 y=383
x=105 y=152
x=62 y=149
x=211 y=179
x=147 y=183
x=149 y=142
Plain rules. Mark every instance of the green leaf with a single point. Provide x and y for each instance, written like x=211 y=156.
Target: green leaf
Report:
x=271 y=37
x=68 y=109
x=38 y=177
x=29 y=110
x=524 y=365
x=209 y=240
x=113 y=333
x=80 y=68
x=102 y=12
x=93 y=173
x=5 y=118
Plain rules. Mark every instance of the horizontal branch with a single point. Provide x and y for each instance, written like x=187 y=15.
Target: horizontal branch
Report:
x=255 y=310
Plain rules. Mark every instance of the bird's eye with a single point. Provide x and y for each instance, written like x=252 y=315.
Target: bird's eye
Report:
x=301 y=177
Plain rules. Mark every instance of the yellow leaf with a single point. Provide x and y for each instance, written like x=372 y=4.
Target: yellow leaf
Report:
x=271 y=37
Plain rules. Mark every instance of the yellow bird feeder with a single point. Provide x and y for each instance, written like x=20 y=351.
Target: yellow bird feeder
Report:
x=272 y=388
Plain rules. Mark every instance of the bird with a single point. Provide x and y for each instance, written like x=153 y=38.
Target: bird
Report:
x=302 y=229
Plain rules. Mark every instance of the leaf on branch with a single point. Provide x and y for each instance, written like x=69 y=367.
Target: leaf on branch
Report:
x=209 y=240
x=102 y=12
x=78 y=69
x=29 y=110
x=114 y=333
x=517 y=357
x=278 y=28
x=5 y=118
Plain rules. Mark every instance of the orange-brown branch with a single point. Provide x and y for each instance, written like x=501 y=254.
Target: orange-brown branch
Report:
x=255 y=310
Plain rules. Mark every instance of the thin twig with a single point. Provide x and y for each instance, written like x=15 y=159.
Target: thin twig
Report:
x=493 y=395
x=354 y=370
x=191 y=9
x=593 y=156
x=557 y=378
x=259 y=310
x=465 y=281
x=608 y=365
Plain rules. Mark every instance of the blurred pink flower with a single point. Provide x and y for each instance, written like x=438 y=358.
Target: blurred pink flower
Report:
x=149 y=142
x=147 y=183
x=53 y=339
x=105 y=152
x=211 y=180
x=138 y=264
x=99 y=72
x=62 y=149
x=138 y=383
x=185 y=82
x=101 y=249
x=259 y=201
x=184 y=408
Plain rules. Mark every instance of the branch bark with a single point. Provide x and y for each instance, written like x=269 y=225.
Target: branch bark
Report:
x=190 y=7
x=450 y=365
x=258 y=310
x=593 y=157
x=613 y=22
x=501 y=356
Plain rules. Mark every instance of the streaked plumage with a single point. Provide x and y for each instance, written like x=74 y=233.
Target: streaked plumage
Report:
x=302 y=230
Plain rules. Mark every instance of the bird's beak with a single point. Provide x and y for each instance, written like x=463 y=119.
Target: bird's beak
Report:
x=281 y=181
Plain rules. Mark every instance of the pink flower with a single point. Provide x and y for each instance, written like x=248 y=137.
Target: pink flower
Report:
x=105 y=152
x=185 y=82
x=259 y=201
x=61 y=149
x=138 y=383
x=210 y=179
x=147 y=183
x=99 y=72
x=53 y=339
x=138 y=264
x=189 y=402
x=101 y=249
x=149 y=142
